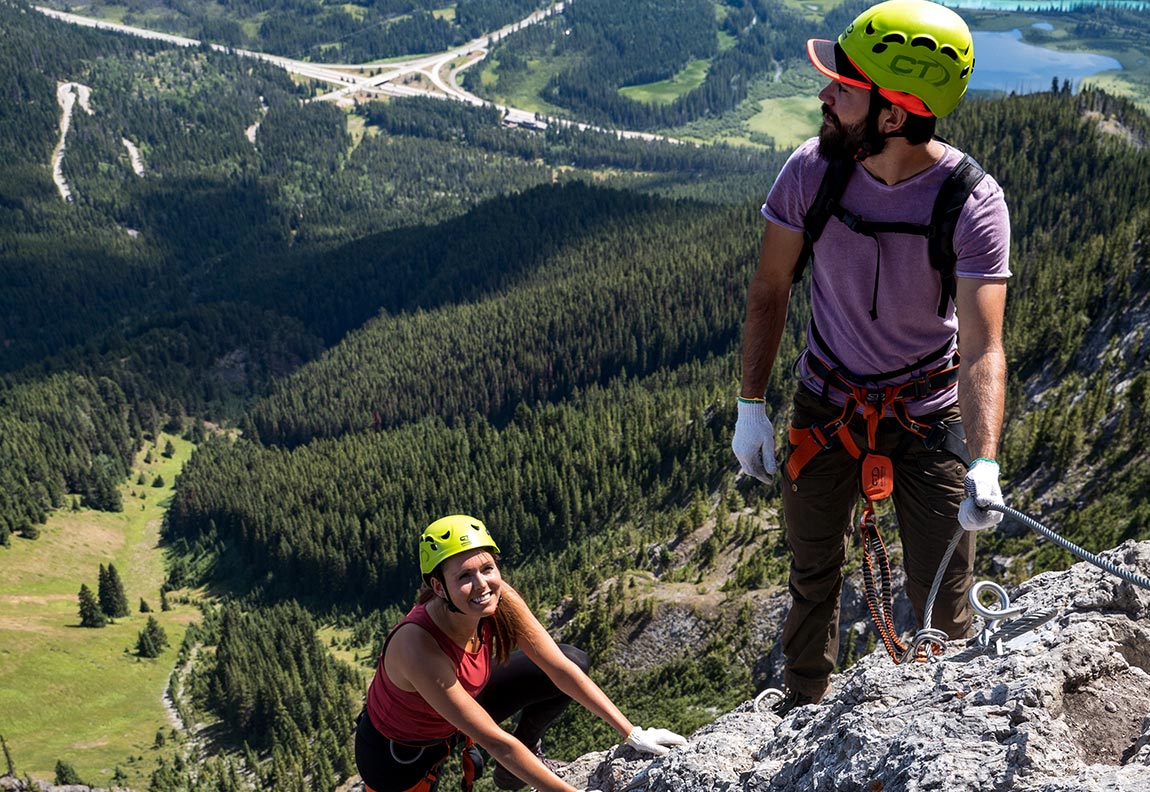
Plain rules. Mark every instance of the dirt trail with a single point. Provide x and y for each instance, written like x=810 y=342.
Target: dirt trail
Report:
x=66 y=95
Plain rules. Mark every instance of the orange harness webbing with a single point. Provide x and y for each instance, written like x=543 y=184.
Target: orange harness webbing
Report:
x=876 y=471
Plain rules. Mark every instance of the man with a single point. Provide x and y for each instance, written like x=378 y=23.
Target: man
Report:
x=881 y=386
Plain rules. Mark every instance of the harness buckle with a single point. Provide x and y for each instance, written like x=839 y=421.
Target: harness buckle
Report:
x=920 y=388
x=936 y=436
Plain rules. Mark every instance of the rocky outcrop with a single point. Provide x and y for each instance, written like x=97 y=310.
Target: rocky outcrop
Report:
x=1065 y=706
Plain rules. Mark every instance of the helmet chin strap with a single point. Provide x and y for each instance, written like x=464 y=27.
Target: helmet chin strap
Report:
x=447 y=597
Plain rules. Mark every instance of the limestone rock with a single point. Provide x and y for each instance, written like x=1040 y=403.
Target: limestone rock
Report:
x=1066 y=706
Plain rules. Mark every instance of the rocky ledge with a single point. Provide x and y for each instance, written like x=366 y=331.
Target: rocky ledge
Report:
x=1065 y=706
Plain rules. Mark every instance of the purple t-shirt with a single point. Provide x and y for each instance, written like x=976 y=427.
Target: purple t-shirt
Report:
x=846 y=265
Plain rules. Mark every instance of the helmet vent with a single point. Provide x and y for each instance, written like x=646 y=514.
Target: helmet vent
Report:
x=870 y=31
x=965 y=73
x=949 y=52
x=878 y=49
x=894 y=38
x=924 y=41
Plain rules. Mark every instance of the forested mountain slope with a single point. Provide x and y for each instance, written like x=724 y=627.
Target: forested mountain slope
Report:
x=186 y=289
x=663 y=298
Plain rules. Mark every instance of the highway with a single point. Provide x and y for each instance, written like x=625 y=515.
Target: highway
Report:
x=433 y=76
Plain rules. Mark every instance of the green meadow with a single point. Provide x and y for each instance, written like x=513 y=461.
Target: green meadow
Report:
x=687 y=79
x=789 y=120
x=81 y=695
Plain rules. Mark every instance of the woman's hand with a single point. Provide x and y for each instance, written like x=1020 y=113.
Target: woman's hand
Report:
x=654 y=741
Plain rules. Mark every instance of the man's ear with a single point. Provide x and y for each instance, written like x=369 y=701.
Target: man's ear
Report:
x=892 y=119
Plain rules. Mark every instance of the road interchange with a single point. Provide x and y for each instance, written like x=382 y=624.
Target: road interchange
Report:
x=432 y=76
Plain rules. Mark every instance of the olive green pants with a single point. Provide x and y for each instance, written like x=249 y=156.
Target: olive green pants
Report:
x=820 y=508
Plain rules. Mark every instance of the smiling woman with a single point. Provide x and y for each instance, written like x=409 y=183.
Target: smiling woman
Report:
x=447 y=676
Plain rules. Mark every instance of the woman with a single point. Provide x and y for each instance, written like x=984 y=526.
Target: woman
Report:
x=447 y=675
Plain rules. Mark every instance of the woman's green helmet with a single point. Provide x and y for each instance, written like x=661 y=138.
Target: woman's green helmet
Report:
x=913 y=47
x=450 y=536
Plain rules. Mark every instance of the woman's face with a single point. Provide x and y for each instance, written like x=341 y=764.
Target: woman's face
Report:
x=473 y=582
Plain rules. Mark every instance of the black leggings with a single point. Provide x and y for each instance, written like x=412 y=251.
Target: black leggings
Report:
x=515 y=686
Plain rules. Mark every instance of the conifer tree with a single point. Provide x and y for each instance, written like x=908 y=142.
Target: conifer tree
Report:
x=113 y=600
x=152 y=639
x=66 y=774
x=90 y=613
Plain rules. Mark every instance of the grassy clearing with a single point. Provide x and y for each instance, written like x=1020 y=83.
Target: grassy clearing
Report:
x=523 y=88
x=77 y=694
x=789 y=120
x=667 y=91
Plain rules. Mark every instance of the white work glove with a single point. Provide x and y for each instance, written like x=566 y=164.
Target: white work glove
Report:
x=654 y=741
x=754 y=441
x=982 y=490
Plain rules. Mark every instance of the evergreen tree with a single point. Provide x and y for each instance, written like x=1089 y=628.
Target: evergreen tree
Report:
x=66 y=774
x=144 y=606
x=113 y=600
x=169 y=450
x=152 y=639
x=90 y=613
x=158 y=481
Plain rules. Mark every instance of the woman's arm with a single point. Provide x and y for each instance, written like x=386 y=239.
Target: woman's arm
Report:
x=538 y=645
x=415 y=661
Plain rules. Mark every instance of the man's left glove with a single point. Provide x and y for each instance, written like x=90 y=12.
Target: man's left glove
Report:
x=654 y=741
x=982 y=490
x=754 y=441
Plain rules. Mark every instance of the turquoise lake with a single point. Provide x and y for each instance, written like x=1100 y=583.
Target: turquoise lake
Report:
x=1004 y=62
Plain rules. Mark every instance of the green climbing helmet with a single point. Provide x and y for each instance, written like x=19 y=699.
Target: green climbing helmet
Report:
x=911 y=49
x=450 y=536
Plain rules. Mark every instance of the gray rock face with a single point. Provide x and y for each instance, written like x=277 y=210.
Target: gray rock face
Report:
x=1065 y=707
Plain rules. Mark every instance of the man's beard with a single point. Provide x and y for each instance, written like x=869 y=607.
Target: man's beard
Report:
x=843 y=141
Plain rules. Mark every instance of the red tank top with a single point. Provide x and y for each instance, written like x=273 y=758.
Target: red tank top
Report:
x=405 y=716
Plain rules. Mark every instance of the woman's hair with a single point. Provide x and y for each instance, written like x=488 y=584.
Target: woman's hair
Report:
x=506 y=624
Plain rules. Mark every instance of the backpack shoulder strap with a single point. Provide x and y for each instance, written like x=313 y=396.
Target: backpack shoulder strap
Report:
x=947 y=207
x=831 y=189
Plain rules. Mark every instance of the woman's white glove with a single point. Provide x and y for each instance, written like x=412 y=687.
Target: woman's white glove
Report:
x=654 y=741
x=982 y=490
x=754 y=441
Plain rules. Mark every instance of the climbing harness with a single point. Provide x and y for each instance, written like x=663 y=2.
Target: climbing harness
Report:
x=876 y=479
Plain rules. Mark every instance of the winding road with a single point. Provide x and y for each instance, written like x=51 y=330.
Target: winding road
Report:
x=432 y=76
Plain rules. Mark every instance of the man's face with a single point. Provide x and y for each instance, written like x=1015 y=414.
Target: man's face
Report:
x=844 y=120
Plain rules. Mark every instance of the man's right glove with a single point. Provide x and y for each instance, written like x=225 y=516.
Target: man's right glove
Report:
x=982 y=490
x=754 y=441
